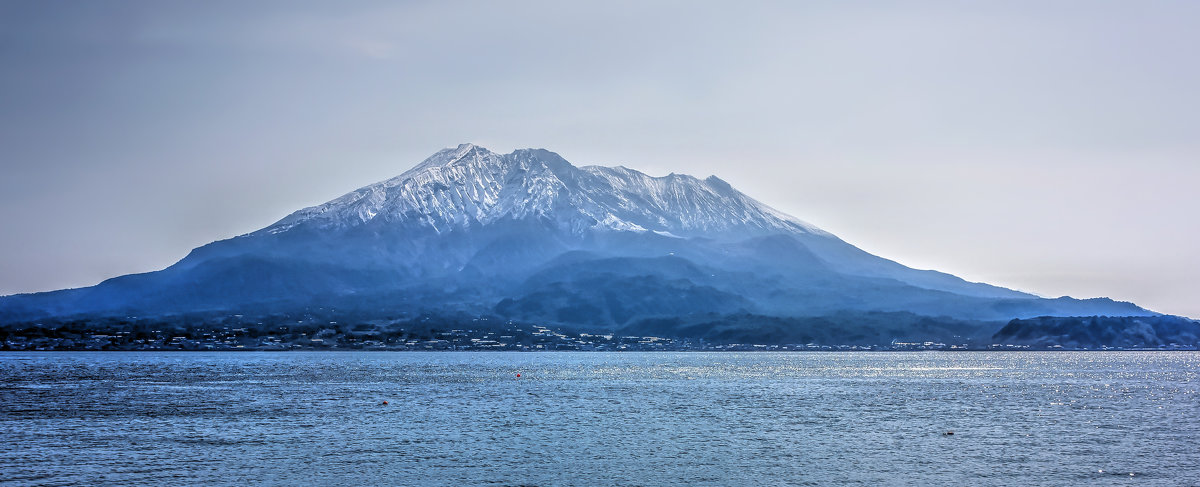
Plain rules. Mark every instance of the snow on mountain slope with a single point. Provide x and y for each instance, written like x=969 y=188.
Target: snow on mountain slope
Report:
x=469 y=185
x=467 y=188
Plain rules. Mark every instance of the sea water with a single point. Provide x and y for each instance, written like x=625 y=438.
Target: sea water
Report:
x=657 y=418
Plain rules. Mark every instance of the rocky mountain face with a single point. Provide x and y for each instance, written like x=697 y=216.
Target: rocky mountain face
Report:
x=527 y=236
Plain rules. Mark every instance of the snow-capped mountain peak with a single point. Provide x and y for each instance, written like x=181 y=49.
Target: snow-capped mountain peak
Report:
x=468 y=185
x=464 y=153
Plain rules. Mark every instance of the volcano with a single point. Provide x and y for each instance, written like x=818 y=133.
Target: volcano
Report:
x=528 y=236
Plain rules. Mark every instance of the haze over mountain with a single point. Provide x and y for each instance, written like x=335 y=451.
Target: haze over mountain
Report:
x=527 y=236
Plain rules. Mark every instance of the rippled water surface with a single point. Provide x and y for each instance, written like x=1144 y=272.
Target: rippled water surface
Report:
x=1128 y=418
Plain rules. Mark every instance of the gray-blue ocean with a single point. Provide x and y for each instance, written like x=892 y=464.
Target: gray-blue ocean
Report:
x=1111 y=418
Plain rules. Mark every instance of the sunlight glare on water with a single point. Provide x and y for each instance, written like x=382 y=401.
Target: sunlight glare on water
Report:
x=1032 y=418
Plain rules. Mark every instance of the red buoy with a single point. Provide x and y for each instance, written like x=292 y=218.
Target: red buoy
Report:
x=385 y=403
x=518 y=375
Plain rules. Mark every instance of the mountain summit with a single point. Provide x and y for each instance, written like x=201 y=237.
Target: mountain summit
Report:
x=469 y=186
x=528 y=236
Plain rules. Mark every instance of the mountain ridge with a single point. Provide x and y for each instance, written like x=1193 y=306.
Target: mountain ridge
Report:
x=485 y=198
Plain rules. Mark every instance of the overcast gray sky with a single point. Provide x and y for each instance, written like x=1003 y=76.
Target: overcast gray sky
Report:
x=1051 y=147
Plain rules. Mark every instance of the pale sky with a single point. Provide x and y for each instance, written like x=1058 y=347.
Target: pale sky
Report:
x=1051 y=147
